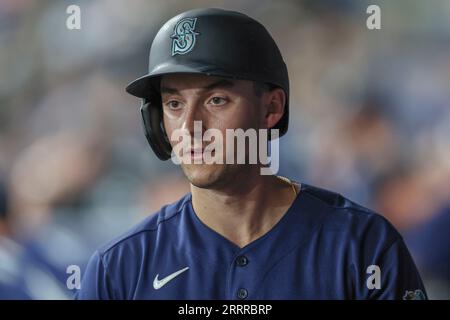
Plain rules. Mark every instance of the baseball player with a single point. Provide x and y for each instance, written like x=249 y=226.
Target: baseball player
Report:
x=239 y=234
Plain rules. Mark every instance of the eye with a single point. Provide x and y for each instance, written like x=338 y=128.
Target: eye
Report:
x=173 y=104
x=217 y=101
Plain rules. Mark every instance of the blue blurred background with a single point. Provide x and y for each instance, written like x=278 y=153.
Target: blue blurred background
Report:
x=370 y=119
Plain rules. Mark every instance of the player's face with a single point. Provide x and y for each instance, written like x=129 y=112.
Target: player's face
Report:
x=218 y=103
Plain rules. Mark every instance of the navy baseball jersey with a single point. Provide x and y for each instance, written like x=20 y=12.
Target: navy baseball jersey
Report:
x=324 y=247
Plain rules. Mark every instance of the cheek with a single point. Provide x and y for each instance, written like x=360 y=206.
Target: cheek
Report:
x=169 y=127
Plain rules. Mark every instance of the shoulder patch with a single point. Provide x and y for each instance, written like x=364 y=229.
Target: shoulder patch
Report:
x=414 y=295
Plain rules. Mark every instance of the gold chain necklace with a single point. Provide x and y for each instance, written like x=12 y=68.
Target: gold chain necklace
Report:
x=289 y=182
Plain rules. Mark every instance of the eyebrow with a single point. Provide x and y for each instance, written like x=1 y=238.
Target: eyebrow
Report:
x=222 y=83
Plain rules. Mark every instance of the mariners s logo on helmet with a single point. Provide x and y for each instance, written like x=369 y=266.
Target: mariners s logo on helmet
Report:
x=183 y=37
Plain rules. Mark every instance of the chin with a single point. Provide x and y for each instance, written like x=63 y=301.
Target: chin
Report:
x=203 y=176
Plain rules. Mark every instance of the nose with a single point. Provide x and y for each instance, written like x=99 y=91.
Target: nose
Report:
x=193 y=120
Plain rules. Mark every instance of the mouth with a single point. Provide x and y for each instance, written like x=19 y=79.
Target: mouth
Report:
x=196 y=153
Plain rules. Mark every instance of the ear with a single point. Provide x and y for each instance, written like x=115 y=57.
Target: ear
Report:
x=274 y=102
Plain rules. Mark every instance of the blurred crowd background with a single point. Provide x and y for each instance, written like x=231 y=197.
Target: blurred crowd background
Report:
x=370 y=119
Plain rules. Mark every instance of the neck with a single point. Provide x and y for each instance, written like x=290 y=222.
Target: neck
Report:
x=245 y=210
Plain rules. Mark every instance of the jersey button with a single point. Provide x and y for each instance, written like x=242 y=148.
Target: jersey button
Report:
x=241 y=261
x=242 y=293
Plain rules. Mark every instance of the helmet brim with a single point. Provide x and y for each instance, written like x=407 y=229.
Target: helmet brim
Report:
x=143 y=86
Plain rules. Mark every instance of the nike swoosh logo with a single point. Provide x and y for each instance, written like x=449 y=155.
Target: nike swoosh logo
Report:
x=158 y=284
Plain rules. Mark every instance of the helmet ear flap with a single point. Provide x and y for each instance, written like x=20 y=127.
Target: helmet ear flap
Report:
x=152 y=120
